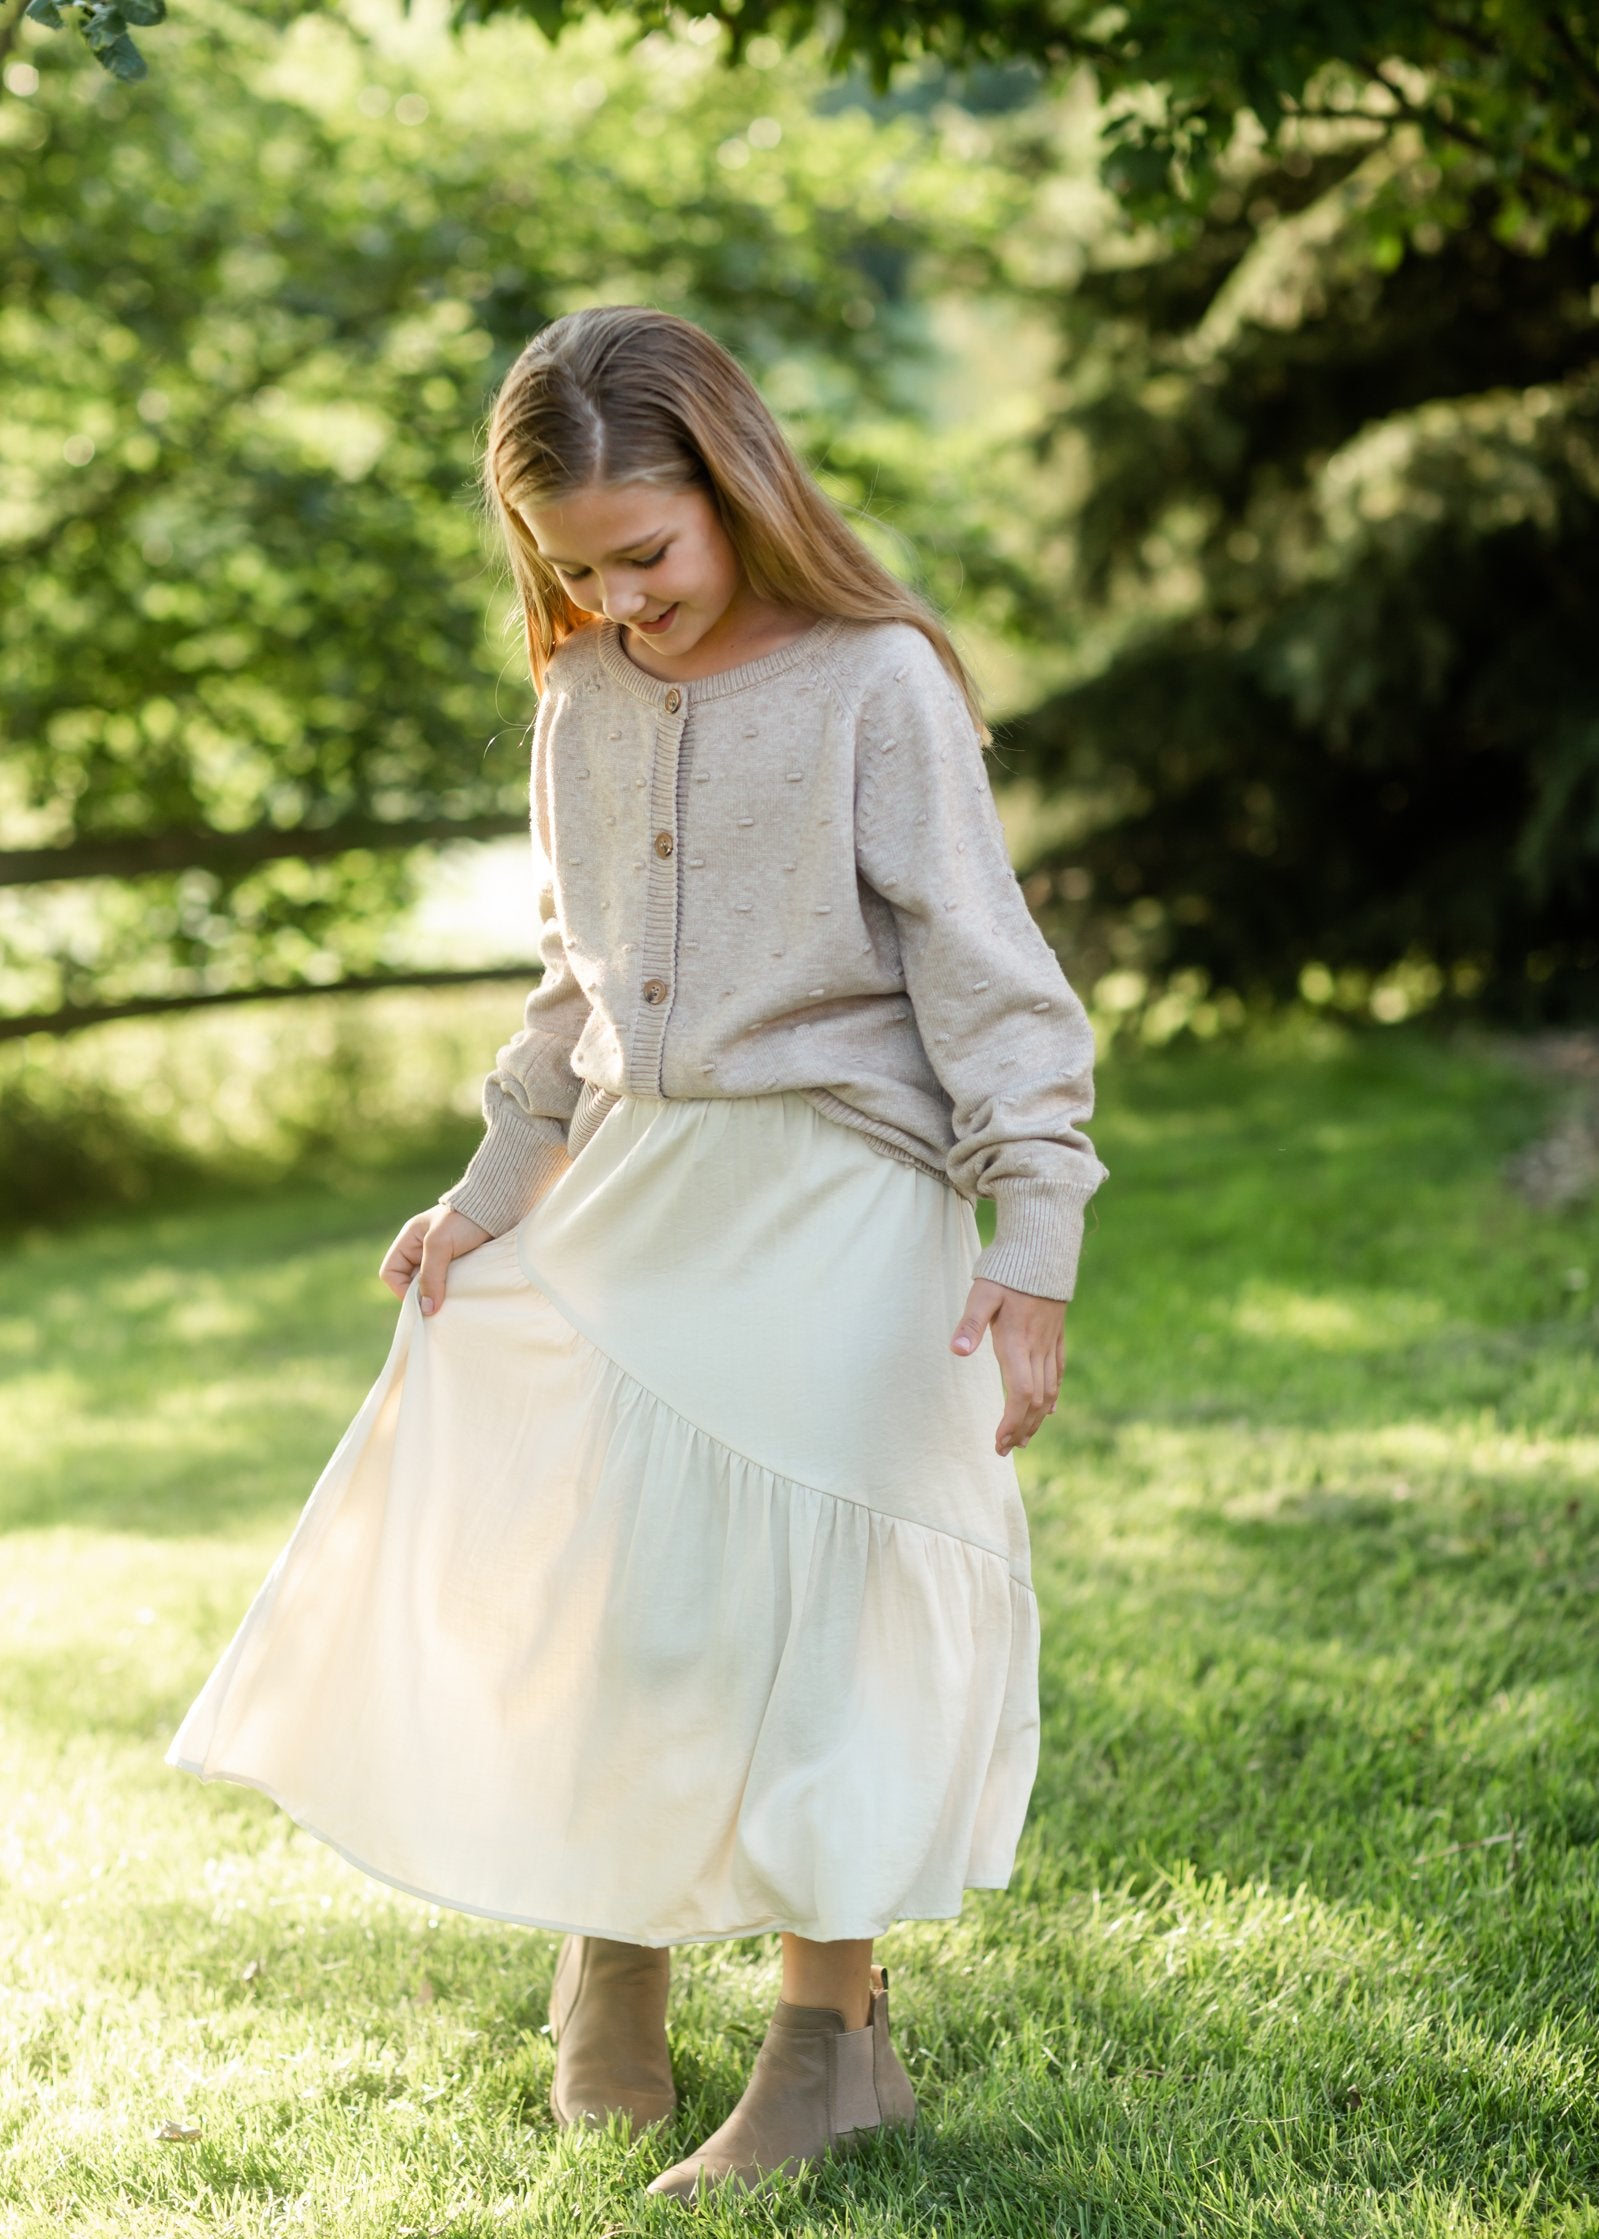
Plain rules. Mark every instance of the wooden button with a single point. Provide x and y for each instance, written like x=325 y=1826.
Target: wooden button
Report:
x=655 y=991
x=674 y=700
x=663 y=843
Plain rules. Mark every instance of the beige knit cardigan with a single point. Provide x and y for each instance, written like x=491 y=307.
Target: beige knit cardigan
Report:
x=792 y=875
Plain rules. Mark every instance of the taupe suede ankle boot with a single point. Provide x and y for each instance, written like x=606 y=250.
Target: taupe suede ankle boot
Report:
x=608 y=2020
x=815 y=2085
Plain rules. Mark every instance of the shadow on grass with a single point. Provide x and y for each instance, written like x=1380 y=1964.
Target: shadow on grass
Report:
x=1314 y=1536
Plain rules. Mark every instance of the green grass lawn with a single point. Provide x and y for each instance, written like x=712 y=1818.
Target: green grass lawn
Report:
x=1304 y=1934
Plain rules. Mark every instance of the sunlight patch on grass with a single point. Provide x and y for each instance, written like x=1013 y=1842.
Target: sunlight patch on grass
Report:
x=1340 y=1323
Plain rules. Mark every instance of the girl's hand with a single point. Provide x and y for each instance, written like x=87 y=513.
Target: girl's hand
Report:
x=430 y=1241
x=1030 y=1342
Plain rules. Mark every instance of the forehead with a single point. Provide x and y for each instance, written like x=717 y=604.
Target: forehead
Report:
x=604 y=522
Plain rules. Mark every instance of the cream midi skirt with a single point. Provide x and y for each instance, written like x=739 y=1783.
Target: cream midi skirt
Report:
x=667 y=1585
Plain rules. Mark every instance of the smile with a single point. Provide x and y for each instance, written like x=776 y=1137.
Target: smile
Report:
x=661 y=622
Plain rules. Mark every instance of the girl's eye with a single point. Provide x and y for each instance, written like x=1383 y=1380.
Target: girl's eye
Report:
x=574 y=575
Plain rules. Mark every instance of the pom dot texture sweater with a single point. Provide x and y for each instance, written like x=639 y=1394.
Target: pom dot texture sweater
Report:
x=792 y=875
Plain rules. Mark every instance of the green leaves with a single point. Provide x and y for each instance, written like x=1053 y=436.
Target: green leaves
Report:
x=1137 y=165
x=104 y=29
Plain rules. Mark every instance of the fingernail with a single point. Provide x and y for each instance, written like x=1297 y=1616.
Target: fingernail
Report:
x=427 y=1305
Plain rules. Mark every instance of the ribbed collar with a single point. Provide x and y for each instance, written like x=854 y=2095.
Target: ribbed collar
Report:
x=696 y=688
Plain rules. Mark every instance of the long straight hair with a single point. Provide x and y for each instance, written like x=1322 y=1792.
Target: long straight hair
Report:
x=626 y=393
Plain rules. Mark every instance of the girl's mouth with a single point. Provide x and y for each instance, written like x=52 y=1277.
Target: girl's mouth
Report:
x=661 y=622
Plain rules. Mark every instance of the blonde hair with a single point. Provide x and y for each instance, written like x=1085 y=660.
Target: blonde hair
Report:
x=625 y=393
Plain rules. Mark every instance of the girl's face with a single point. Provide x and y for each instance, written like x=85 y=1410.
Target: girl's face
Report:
x=655 y=560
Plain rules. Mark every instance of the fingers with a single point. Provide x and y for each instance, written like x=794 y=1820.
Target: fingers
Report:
x=403 y=1257
x=424 y=1249
x=1030 y=1343
x=436 y=1257
x=1029 y=1397
x=447 y=1234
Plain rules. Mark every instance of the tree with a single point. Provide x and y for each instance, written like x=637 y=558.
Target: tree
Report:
x=1311 y=503
x=243 y=670
x=1326 y=482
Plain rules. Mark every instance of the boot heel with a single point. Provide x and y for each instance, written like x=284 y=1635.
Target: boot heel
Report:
x=896 y=2095
x=816 y=2087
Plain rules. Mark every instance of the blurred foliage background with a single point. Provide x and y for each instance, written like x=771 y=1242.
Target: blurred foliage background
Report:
x=1231 y=385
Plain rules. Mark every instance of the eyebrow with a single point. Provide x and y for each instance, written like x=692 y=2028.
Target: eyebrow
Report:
x=653 y=538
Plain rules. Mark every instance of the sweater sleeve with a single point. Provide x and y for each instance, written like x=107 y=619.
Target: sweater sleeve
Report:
x=1003 y=1030
x=529 y=1098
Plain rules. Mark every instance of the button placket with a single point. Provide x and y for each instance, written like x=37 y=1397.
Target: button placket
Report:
x=658 y=945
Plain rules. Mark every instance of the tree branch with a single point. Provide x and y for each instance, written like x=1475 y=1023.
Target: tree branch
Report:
x=1478 y=41
x=139 y=854
x=1430 y=119
x=1488 y=49
x=1583 y=66
x=74 y=1017
x=1302 y=109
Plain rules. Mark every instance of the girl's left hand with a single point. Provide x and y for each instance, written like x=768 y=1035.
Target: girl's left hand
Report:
x=1030 y=1343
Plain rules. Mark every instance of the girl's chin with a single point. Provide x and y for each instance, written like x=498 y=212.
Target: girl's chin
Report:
x=666 y=626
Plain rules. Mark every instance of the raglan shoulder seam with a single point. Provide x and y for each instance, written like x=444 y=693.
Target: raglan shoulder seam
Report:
x=854 y=659
x=569 y=655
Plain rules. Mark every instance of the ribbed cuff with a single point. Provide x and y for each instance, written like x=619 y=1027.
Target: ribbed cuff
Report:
x=1038 y=1236
x=516 y=1162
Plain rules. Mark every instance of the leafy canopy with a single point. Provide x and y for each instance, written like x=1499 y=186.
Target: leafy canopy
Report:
x=1512 y=85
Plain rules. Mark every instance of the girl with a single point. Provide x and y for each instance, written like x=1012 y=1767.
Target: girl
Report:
x=672 y=1583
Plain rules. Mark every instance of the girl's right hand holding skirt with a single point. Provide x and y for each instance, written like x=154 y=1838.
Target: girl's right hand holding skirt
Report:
x=428 y=1242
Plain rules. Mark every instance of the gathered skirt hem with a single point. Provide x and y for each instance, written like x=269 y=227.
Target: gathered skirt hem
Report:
x=773 y=1927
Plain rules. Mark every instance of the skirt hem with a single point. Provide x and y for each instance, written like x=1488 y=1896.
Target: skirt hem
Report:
x=811 y=1932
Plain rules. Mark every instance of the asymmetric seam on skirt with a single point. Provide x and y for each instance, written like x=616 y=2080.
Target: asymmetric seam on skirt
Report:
x=784 y=1477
